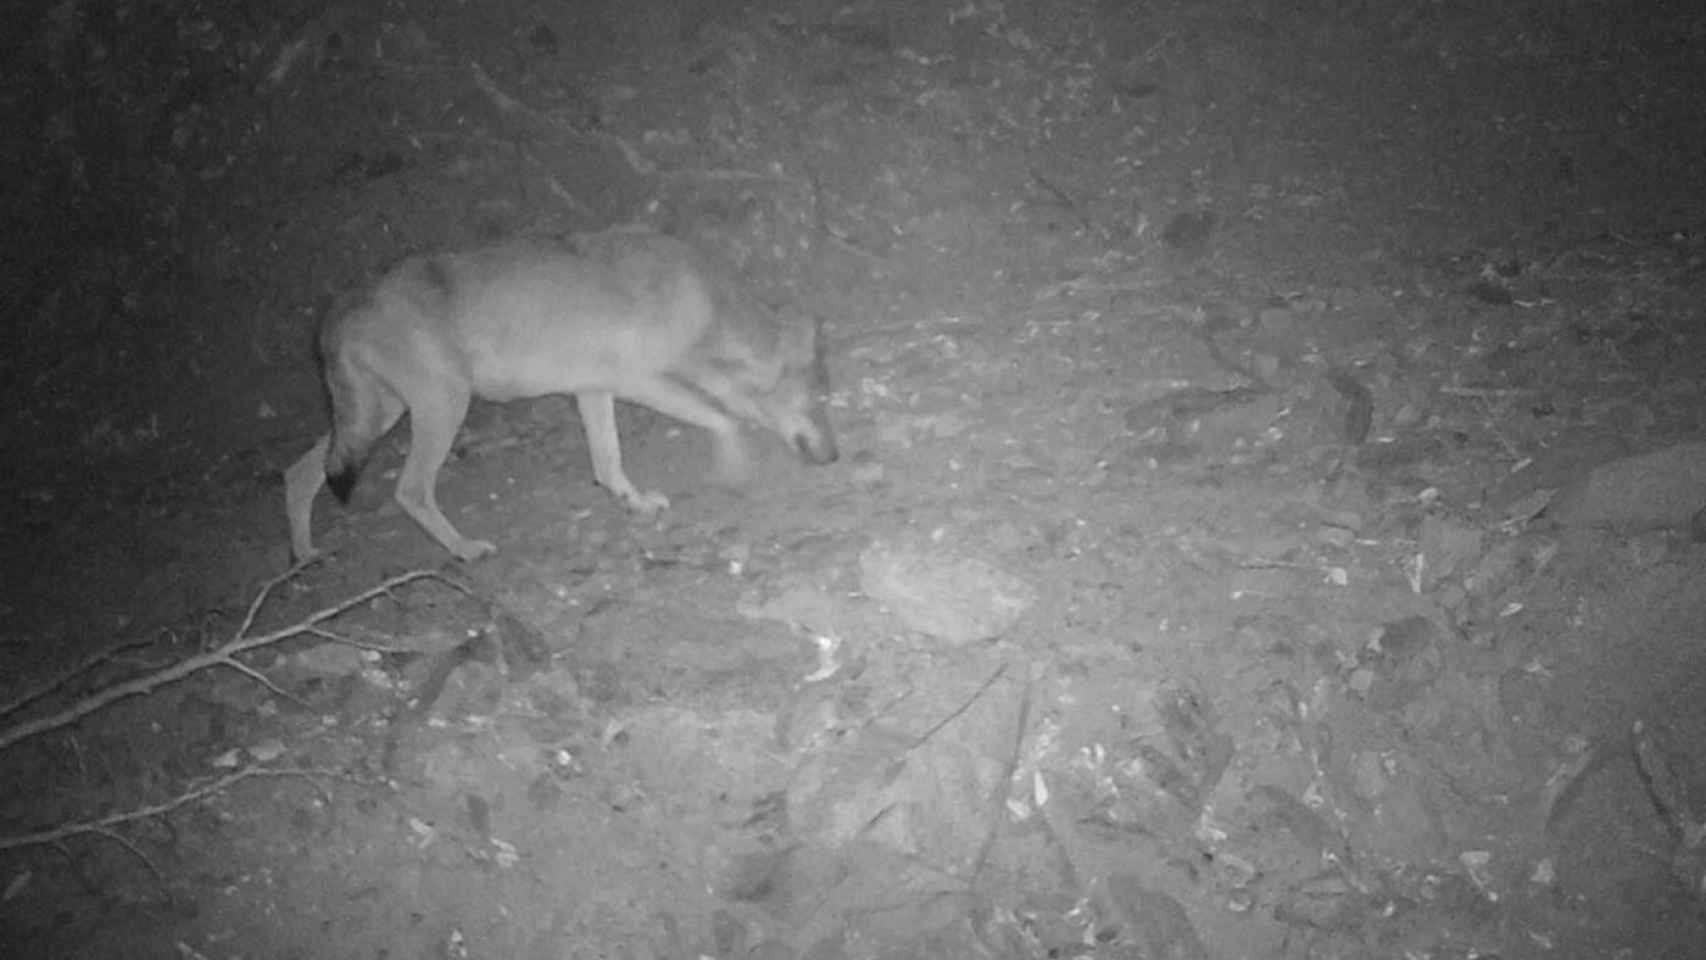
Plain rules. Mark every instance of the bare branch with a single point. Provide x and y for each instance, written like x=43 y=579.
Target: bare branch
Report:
x=104 y=826
x=223 y=655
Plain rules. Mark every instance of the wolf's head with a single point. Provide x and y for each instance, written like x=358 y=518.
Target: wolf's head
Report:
x=768 y=369
x=796 y=408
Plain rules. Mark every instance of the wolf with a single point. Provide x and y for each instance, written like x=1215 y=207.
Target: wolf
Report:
x=622 y=313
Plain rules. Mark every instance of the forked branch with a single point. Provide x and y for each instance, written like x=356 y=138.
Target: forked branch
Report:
x=225 y=655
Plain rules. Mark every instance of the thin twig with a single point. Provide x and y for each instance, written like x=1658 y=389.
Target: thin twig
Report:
x=135 y=851
x=502 y=100
x=223 y=655
x=1065 y=199
x=998 y=799
x=936 y=727
x=266 y=590
x=71 y=673
x=364 y=645
x=104 y=825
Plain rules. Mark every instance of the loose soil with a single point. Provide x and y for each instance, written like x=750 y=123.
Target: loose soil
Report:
x=1187 y=587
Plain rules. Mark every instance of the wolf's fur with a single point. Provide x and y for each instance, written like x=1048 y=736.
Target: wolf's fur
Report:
x=621 y=313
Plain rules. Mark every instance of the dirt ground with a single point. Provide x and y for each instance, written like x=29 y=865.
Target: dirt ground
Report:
x=1269 y=520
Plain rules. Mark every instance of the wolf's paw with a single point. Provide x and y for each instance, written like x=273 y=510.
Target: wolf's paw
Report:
x=467 y=550
x=645 y=502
